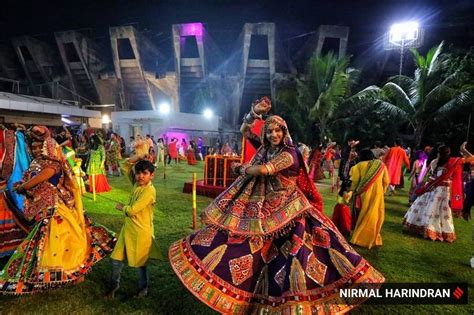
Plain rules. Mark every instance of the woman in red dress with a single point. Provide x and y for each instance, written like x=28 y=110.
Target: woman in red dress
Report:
x=173 y=151
x=190 y=153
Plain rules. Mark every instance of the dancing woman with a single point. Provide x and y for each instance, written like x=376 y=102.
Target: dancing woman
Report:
x=431 y=214
x=14 y=160
x=62 y=245
x=418 y=172
x=191 y=157
x=112 y=155
x=328 y=164
x=369 y=180
x=96 y=166
x=315 y=170
x=267 y=246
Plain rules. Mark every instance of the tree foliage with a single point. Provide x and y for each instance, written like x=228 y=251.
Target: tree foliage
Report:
x=428 y=97
x=319 y=93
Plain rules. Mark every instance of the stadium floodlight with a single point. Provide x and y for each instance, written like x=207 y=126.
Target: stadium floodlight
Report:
x=402 y=36
x=401 y=33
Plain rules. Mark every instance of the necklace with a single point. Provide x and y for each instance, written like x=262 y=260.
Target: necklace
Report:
x=272 y=153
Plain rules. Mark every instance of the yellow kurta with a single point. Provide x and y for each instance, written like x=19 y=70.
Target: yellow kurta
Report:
x=136 y=241
x=369 y=223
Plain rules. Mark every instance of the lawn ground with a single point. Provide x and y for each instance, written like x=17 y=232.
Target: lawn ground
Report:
x=402 y=258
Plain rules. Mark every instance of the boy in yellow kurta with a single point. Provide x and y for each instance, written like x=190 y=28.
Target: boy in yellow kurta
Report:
x=136 y=241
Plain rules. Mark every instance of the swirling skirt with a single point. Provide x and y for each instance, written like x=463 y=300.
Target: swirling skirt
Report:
x=299 y=272
x=58 y=250
x=430 y=216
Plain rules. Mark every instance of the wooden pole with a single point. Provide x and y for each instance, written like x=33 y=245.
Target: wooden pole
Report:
x=93 y=179
x=93 y=186
x=194 y=202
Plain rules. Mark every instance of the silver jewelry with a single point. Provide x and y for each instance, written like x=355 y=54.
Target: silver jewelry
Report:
x=249 y=119
x=255 y=116
x=272 y=154
x=243 y=169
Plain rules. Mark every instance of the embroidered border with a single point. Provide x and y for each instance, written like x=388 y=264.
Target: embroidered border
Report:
x=225 y=298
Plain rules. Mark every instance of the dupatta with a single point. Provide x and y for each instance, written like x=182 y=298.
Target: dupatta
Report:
x=374 y=170
x=454 y=172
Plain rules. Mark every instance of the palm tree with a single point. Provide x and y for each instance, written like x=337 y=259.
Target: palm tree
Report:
x=287 y=108
x=319 y=93
x=426 y=98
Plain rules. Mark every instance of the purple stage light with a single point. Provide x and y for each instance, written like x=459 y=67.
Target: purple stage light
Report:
x=192 y=29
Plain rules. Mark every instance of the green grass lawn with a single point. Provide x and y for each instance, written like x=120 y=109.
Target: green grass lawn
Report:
x=402 y=258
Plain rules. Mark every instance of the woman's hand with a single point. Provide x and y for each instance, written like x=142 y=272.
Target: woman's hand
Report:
x=18 y=187
x=262 y=106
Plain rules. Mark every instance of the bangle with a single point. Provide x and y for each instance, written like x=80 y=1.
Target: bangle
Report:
x=270 y=169
x=251 y=116
x=249 y=119
x=243 y=169
x=255 y=116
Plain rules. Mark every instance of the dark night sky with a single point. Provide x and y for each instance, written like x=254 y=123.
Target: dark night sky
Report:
x=450 y=20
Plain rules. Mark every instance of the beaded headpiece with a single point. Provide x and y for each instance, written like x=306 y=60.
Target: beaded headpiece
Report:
x=274 y=119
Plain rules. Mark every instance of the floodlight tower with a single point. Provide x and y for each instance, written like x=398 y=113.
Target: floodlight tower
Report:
x=404 y=35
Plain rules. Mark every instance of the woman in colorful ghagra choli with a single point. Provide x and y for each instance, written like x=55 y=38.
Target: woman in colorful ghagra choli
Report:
x=14 y=160
x=95 y=167
x=112 y=155
x=267 y=247
x=62 y=244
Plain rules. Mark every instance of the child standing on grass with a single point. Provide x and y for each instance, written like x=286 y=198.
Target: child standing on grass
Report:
x=136 y=241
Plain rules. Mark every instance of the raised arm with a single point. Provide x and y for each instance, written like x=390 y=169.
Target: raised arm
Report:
x=262 y=106
x=128 y=168
x=465 y=153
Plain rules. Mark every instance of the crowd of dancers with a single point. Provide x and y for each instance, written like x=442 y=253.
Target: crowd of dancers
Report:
x=440 y=187
x=266 y=245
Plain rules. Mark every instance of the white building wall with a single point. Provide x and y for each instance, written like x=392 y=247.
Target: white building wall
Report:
x=131 y=123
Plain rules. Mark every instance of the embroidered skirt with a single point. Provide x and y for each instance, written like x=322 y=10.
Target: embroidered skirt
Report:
x=430 y=216
x=58 y=250
x=11 y=233
x=299 y=272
